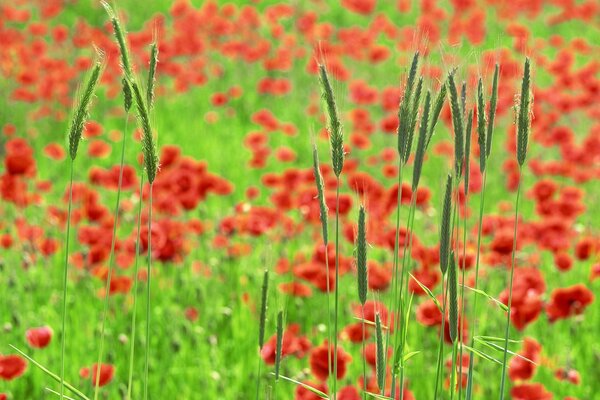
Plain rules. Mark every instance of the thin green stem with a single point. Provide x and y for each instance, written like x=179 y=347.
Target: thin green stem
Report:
x=404 y=287
x=453 y=373
x=364 y=394
x=258 y=376
x=64 y=299
x=148 y=293
x=337 y=285
x=475 y=296
x=393 y=303
x=329 y=361
x=441 y=341
x=462 y=298
x=510 y=290
x=135 y=290
x=110 y=264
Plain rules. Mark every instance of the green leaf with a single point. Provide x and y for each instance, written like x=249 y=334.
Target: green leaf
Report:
x=378 y=396
x=58 y=394
x=496 y=339
x=494 y=346
x=482 y=354
x=305 y=386
x=371 y=323
x=410 y=355
x=482 y=293
x=429 y=292
x=51 y=374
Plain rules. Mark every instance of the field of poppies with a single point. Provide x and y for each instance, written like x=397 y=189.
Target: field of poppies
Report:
x=354 y=199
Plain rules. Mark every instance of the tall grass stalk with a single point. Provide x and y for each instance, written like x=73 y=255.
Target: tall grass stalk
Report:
x=336 y=139
x=406 y=113
x=135 y=291
x=484 y=138
x=362 y=279
x=445 y=234
x=80 y=116
x=261 y=330
x=111 y=259
x=65 y=275
x=148 y=285
x=464 y=253
x=323 y=216
x=523 y=126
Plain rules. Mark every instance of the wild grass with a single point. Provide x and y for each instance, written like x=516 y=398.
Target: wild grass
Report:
x=336 y=139
x=523 y=126
x=80 y=116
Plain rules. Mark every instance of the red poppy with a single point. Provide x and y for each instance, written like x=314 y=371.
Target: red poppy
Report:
x=104 y=376
x=292 y=344
x=39 y=337
x=565 y=302
x=522 y=369
x=12 y=367
x=530 y=391
x=569 y=375
x=302 y=393
x=319 y=364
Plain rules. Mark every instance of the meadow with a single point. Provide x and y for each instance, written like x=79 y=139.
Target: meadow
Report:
x=300 y=200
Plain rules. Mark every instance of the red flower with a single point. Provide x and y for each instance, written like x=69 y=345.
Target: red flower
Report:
x=348 y=393
x=521 y=369
x=292 y=344
x=319 y=364
x=364 y=7
x=428 y=314
x=12 y=367
x=530 y=391
x=105 y=375
x=568 y=374
x=569 y=301
x=39 y=337
x=305 y=394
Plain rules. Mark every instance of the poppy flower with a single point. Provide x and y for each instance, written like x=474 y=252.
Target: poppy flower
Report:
x=565 y=302
x=12 y=367
x=39 y=337
x=292 y=344
x=104 y=376
x=302 y=393
x=319 y=361
x=519 y=367
x=530 y=391
x=569 y=375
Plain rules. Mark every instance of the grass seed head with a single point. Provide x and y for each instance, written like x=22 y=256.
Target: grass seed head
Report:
x=148 y=144
x=279 y=344
x=82 y=110
x=361 y=257
x=445 y=228
x=437 y=109
x=422 y=142
x=493 y=105
x=457 y=122
x=151 y=75
x=453 y=298
x=127 y=96
x=405 y=109
x=481 y=125
x=263 y=308
x=323 y=209
x=336 y=135
x=380 y=360
x=120 y=36
x=524 y=120
x=468 y=149
x=414 y=116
